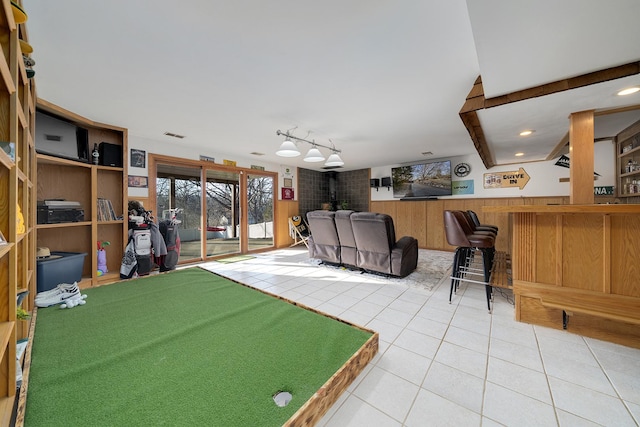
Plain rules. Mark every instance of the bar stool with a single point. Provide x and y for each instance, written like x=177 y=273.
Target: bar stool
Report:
x=460 y=233
x=476 y=222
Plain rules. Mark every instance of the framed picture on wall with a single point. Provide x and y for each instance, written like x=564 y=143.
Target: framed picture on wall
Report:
x=138 y=181
x=288 y=182
x=138 y=158
x=287 y=193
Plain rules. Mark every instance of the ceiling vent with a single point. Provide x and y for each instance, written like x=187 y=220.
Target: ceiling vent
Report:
x=175 y=135
x=56 y=138
x=332 y=167
x=255 y=153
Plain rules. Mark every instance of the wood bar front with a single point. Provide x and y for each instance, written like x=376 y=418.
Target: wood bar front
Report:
x=582 y=261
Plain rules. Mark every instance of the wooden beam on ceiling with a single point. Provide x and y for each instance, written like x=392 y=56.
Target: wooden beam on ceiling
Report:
x=476 y=101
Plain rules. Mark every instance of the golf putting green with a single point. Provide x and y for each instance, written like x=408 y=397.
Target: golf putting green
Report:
x=189 y=348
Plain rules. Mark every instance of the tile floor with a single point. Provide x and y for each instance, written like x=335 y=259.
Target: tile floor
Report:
x=442 y=364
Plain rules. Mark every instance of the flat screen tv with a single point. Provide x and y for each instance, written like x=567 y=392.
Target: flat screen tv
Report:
x=422 y=181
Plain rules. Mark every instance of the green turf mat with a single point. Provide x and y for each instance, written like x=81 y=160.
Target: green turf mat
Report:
x=183 y=348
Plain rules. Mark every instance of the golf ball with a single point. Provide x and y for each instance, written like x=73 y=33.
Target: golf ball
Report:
x=63 y=305
x=82 y=302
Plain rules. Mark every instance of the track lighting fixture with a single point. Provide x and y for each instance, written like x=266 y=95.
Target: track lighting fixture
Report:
x=289 y=149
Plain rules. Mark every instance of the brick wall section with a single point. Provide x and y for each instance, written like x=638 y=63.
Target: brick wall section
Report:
x=353 y=187
x=314 y=189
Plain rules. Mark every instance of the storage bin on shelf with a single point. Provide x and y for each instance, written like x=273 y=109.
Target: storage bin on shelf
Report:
x=61 y=267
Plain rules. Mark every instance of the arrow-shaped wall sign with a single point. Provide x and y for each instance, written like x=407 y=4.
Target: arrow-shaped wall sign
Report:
x=506 y=179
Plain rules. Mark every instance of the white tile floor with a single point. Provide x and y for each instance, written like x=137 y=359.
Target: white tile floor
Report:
x=455 y=364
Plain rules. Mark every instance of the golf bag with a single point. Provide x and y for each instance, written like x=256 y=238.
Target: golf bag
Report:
x=137 y=255
x=169 y=230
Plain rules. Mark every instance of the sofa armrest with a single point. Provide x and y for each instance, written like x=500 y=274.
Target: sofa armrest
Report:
x=404 y=256
x=312 y=247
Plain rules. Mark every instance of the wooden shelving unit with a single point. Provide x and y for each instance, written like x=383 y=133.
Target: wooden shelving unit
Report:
x=85 y=183
x=17 y=188
x=628 y=161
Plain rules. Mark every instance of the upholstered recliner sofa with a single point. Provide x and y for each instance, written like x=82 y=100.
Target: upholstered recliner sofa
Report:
x=323 y=243
x=363 y=240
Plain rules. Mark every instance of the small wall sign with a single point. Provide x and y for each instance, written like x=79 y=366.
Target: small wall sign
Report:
x=603 y=191
x=136 y=181
x=287 y=193
x=506 y=179
x=462 y=187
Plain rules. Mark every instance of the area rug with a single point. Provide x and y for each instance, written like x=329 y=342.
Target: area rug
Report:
x=433 y=266
x=188 y=347
x=236 y=258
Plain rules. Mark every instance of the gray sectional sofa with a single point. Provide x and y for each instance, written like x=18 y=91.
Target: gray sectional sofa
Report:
x=362 y=240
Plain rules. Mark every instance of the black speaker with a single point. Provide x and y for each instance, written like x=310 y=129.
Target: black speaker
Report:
x=110 y=154
x=386 y=181
x=82 y=139
x=374 y=182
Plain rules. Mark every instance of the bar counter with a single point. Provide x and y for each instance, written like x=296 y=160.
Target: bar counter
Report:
x=577 y=267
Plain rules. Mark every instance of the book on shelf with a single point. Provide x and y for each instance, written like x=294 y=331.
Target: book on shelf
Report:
x=105 y=210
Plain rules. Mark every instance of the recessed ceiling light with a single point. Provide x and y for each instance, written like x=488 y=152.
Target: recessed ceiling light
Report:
x=519 y=154
x=526 y=132
x=629 y=91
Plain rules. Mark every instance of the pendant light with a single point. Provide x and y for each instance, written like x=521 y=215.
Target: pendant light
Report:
x=334 y=160
x=288 y=149
x=314 y=155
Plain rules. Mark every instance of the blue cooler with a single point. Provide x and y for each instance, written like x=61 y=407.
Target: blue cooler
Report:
x=61 y=267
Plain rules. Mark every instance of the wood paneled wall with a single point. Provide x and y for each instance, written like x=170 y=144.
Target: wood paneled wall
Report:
x=284 y=210
x=423 y=219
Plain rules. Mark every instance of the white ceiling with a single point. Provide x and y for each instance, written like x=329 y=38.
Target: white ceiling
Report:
x=383 y=80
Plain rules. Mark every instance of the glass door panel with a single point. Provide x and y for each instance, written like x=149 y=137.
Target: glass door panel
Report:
x=223 y=212
x=260 y=211
x=179 y=195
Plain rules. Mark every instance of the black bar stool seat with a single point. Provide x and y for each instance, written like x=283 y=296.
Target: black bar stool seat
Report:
x=459 y=232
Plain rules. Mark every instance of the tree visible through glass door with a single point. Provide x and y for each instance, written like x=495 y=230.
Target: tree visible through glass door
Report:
x=223 y=212
x=260 y=211
x=179 y=195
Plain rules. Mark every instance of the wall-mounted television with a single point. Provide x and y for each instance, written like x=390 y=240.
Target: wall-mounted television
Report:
x=422 y=181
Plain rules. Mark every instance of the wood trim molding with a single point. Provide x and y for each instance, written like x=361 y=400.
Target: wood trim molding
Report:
x=476 y=101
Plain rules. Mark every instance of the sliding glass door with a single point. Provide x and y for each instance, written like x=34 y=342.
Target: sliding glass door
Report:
x=178 y=196
x=220 y=210
x=260 y=211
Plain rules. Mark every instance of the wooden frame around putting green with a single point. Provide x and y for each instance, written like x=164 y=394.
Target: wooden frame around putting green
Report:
x=314 y=409
x=308 y=414
x=318 y=405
